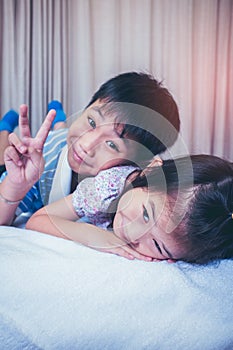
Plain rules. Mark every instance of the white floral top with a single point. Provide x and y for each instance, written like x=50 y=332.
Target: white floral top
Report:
x=93 y=195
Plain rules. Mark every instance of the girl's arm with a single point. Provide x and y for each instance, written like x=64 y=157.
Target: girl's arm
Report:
x=59 y=219
x=47 y=219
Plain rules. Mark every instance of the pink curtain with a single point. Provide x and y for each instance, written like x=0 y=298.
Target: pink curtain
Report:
x=65 y=49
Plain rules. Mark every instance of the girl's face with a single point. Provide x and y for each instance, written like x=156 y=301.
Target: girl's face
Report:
x=140 y=222
x=94 y=144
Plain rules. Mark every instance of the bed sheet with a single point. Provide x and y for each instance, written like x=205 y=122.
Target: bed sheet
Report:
x=56 y=294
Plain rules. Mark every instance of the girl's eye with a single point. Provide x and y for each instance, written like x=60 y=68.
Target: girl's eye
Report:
x=91 y=122
x=112 y=145
x=157 y=246
x=145 y=215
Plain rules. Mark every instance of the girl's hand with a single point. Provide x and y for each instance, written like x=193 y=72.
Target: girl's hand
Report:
x=112 y=244
x=23 y=158
x=57 y=219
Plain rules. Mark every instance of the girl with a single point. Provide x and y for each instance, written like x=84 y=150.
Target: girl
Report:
x=182 y=210
x=129 y=119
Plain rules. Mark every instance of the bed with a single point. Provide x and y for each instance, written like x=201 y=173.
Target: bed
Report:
x=56 y=294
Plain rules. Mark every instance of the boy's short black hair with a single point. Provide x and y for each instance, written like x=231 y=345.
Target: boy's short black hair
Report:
x=148 y=110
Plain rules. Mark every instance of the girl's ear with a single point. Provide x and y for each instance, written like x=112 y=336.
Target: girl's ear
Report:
x=156 y=161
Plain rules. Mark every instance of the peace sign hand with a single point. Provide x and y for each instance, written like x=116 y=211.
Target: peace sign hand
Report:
x=23 y=158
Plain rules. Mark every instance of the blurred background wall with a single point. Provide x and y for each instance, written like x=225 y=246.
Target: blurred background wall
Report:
x=64 y=49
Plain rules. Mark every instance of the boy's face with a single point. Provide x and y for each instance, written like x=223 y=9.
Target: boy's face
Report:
x=140 y=222
x=94 y=144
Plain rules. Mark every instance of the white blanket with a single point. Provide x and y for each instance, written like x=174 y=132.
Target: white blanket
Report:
x=58 y=295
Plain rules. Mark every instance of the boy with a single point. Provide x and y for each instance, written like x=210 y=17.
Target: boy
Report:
x=128 y=120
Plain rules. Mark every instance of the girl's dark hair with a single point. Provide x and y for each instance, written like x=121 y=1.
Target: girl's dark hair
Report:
x=200 y=203
x=145 y=108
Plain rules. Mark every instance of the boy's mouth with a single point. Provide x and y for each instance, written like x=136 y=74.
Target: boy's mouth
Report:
x=77 y=157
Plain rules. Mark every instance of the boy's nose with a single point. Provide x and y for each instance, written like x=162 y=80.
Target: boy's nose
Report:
x=88 y=142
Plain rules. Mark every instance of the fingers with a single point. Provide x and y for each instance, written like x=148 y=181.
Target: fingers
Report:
x=170 y=261
x=122 y=253
x=24 y=128
x=17 y=144
x=136 y=254
x=37 y=165
x=129 y=253
x=44 y=130
x=12 y=155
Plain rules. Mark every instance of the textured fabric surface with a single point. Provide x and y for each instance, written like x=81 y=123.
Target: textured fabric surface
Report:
x=56 y=294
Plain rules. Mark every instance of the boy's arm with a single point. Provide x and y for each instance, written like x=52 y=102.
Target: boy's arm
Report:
x=24 y=163
x=58 y=219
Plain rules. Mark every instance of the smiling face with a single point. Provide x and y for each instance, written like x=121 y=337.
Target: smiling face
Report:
x=141 y=222
x=94 y=143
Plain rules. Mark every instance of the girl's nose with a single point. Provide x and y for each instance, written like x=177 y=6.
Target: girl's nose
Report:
x=137 y=234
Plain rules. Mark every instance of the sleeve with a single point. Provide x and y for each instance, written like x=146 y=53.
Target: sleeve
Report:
x=94 y=195
x=3 y=175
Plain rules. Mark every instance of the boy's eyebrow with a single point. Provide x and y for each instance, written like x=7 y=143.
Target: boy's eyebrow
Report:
x=163 y=246
x=98 y=110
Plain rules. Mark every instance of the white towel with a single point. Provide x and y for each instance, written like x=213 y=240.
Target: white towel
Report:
x=58 y=295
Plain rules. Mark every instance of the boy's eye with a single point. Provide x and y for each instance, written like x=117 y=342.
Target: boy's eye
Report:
x=91 y=122
x=145 y=215
x=112 y=145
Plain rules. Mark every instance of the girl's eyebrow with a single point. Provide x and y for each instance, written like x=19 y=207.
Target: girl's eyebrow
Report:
x=167 y=251
x=156 y=243
x=152 y=204
x=153 y=215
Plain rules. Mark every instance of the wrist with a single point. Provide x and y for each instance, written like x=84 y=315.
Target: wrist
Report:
x=11 y=192
x=7 y=201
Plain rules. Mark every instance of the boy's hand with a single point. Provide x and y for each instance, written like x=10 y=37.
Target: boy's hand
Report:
x=23 y=158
